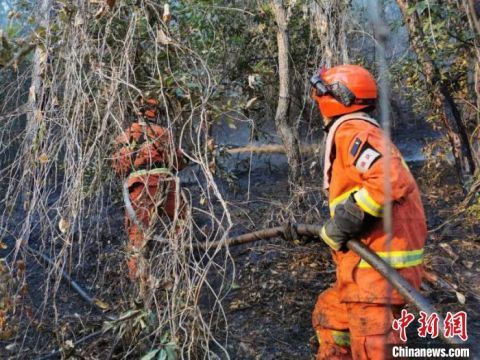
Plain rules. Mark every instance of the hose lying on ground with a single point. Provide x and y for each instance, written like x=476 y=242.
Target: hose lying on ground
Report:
x=410 y=294
x=94 y=302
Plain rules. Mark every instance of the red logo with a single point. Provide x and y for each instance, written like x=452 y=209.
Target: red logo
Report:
x=453 y=325
x=402 y=323
x=428 y=325
x=456 y=324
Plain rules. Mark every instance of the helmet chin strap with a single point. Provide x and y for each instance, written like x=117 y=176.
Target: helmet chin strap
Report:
x=326 y=128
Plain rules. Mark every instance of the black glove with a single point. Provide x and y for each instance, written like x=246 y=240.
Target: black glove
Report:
x=348 y=222
x=290 y=231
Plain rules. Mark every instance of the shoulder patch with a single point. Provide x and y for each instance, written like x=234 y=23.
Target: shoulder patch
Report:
x=356 y=146
x=368 y=156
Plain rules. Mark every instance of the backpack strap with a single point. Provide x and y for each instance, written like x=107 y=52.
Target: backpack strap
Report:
x=330 y=142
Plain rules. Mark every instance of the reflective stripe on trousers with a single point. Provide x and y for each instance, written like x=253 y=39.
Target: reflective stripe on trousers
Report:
x=341 y=338
x=398 y=259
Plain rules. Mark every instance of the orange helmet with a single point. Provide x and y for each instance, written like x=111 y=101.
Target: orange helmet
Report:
x=147 y=107
x=343 y=89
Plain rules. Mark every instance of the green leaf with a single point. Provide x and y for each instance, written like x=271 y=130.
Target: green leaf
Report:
x=5 y=43
x=411 y=10
x=179 y=93
x=170 y=350
x=165 y=337
x=169 y=81
x=40 y=31
x=162 y=355
x=107 y=326
x=150 y=355
x=421 y=6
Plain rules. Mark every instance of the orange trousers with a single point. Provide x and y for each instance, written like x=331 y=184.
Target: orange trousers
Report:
x=150 y=195
x=357 y=331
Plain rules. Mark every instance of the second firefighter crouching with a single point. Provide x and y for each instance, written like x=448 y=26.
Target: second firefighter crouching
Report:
x=145 y=160
x=353 y=319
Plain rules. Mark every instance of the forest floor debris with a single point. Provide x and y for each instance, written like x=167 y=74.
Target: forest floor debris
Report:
x=270 y=301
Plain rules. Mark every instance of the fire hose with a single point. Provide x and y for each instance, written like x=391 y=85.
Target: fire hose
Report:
x=410 y=294
x=404 y=288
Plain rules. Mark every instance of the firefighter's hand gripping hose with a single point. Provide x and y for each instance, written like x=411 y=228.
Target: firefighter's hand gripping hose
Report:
x=410 y=294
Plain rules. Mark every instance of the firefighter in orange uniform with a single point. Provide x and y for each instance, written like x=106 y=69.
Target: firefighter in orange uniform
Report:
x=144 y=157
x=353 y=319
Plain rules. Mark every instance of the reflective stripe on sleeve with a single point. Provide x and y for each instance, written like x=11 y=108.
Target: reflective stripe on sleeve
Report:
x=330 y=242
x=398 y=259
x=341 y=199
x=366 y=202
x=155 y=171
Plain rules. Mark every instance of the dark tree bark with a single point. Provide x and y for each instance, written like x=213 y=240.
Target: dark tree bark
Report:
x=472 y=8
x=285 y=127
x=441 y=97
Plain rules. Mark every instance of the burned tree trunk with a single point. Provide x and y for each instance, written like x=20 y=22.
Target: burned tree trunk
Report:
x=287 y=130
x=37 y=93
x=472 y=9
x=442 y=100
x=329 y=19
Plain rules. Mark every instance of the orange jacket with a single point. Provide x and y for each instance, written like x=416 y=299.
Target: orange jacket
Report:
x=143 y=148
x=356 y=156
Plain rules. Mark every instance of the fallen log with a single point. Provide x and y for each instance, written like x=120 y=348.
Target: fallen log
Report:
x=273 y=149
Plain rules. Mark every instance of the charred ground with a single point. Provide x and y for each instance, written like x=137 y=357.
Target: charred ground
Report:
x=268 y=305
